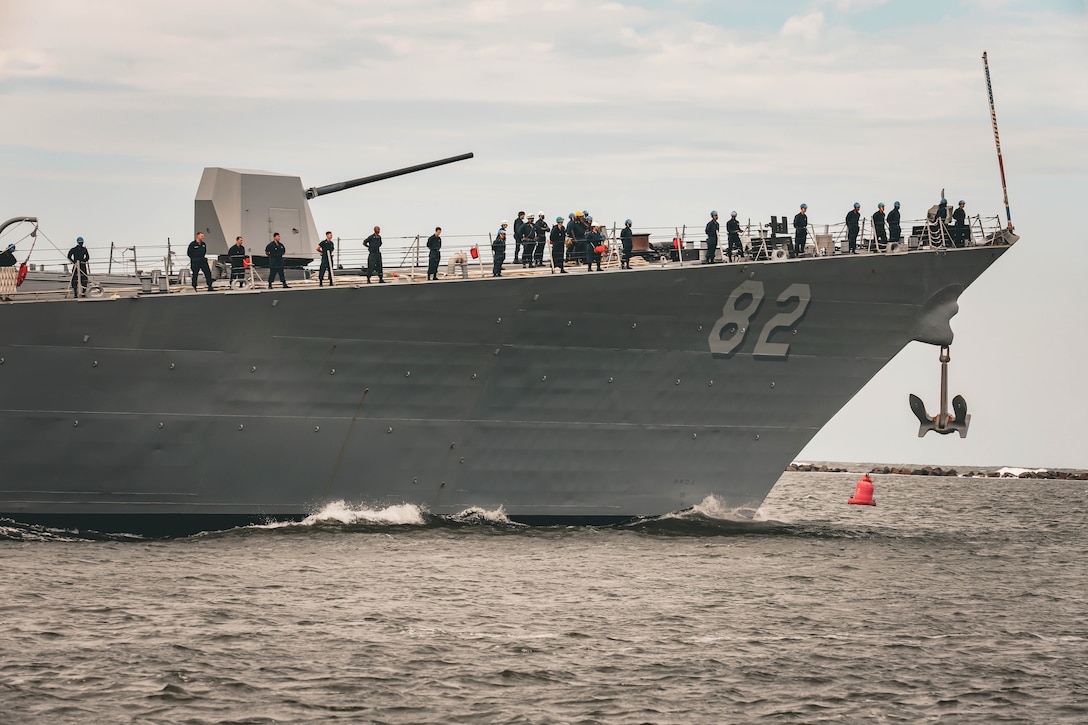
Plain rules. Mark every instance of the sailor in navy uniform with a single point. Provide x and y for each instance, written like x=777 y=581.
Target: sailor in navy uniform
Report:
x=519 y=237
x=374 y=259
x=498 y=251
x=853 y=222
x=895 y=233
x=878 y=228
x=198 y=260
x=594 y=241
x=959 y=229
x=542 y=229
x=275 y=251
x=800 y=228
x=434 y=256
x=326 y=248
x=712 y=231
x=732 y=229
x=237 y=255
x=627 y=243
x=559 y=244
x=79 y=256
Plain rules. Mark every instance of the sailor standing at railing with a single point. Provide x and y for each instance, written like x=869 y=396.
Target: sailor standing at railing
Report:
x=800 y=228
x=498 y=251
x=895 y=233
x=559 y=245
x=374 y=259
x=541 y=227
x=959 y=230
x=732 y=228
x=79 y=256
x=519 y=237
x=712 y=231
x=198 y=260
x=627 y=242
x=853 y=226
x=275 y=251
x=434 y=253
x=878 y=228
x=237 y=255
x=326 y=248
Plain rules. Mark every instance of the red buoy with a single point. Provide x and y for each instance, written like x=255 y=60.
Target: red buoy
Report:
x=863 y=492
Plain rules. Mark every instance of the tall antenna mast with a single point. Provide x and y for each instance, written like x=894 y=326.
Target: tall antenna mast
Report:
x=997 y=139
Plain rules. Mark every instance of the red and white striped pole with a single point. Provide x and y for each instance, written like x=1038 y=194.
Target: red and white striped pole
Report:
x=997 y=140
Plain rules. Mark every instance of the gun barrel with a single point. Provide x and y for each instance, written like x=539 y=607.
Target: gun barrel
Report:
x=333 y=188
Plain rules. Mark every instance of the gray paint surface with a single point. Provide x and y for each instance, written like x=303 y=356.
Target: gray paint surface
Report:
x=561 y=397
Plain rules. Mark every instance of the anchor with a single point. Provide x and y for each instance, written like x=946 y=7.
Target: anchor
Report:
x=942 y=423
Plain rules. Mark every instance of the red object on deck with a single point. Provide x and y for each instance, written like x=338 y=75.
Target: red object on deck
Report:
x=475 y=252
x=863 y=492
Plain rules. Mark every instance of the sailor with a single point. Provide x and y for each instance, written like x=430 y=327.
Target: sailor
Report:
x=712 y=229
x=595 y=243
x=627 y=243
x=198 y=260
x=325 y=248
x=541 y=228
x=878 y=228
x=275 y=251
x=959 y=229
x=559 y=245
x=578 y=230
x=434 y=255
x=800 y=228
x=895 y=233
x=237 y=255
x=853 y=222
x=732 y=229
x=498 y=251
x=7 y=257
x=519 y=236
x=374 y=259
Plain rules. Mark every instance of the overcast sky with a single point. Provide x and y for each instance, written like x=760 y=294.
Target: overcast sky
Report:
x=658 y=111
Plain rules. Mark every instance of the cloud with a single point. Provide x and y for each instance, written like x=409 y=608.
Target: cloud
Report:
x=806 y=28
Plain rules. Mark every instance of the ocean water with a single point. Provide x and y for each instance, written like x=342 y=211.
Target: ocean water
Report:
x=952 y=600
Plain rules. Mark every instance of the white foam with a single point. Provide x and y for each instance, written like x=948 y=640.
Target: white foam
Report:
x=475 y=513
x=713 y=507
x=1010 y=472
x=340 y=511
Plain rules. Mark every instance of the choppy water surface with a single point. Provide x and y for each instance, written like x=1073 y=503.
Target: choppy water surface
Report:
x=958 y=600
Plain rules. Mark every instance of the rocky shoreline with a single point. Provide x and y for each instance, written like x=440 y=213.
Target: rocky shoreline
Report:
x=1060 y=475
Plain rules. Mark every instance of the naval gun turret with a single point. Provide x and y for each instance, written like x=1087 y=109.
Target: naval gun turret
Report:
x=255 y=204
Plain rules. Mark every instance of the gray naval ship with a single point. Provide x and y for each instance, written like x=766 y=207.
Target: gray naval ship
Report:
x=585 y=398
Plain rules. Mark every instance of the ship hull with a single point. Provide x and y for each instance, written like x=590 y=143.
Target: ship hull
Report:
x=581 y=398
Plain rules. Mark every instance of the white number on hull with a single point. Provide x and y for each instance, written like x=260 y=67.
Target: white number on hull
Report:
x=729 y=332
x=734 y=320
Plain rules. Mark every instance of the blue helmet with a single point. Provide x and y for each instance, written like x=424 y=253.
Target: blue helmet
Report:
x=880 y=205
x=943 y=200
x=804 y=206
x=79 y=240
x=962 y=202
x=559 y=220
x=501 y=231
x=713 y=213
x=732 y=213
x=857 y=205
x=626 y=221
x=11 y=247
x=897 y=204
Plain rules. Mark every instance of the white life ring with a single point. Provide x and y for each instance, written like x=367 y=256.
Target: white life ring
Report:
x=778 y=255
